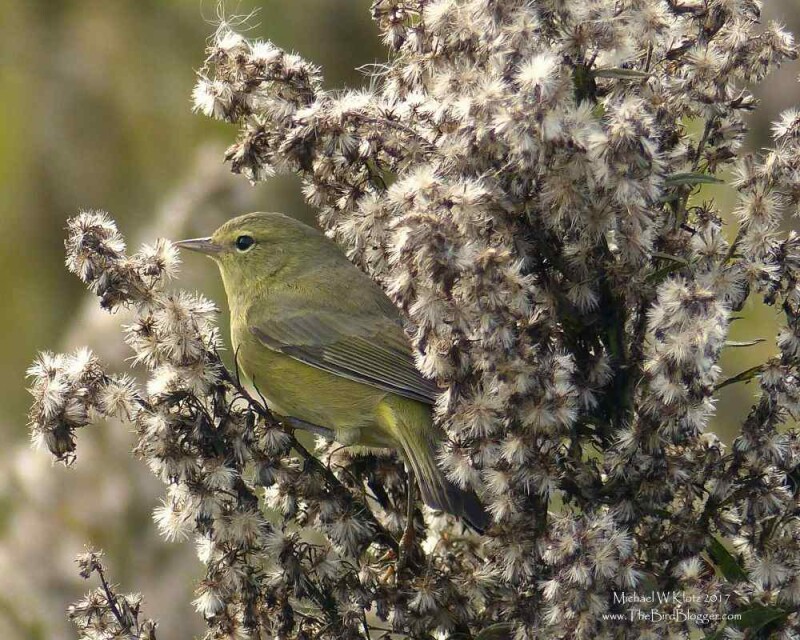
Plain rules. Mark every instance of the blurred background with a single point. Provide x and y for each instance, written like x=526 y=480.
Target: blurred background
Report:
x=95 y=113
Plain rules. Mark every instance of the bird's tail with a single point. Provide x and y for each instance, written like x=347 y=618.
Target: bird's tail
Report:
x=404 y=420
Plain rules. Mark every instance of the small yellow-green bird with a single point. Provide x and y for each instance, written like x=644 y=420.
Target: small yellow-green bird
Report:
x=323 y=343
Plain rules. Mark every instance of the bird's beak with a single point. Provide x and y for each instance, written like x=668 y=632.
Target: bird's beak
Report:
x=201 y=245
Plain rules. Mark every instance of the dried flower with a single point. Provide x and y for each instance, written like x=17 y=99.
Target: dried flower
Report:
x=518 y=179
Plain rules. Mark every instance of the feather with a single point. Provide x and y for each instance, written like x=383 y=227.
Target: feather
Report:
x=400 y=418
x=370 y=349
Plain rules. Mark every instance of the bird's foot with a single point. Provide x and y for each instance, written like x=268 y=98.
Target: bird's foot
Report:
x=387 y=576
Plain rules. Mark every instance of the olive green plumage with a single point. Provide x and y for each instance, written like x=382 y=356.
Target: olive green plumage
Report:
x=324 y=344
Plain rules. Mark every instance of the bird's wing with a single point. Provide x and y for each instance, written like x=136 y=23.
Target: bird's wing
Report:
x=372 y=350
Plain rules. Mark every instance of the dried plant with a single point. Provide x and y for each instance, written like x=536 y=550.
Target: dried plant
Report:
x=522 y=179
x=104 y=614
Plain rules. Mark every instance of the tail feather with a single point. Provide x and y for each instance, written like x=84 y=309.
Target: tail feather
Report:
x=418 y=450
x=439 y=493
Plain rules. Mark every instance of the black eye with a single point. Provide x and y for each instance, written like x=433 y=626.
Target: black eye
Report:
x=243 y=243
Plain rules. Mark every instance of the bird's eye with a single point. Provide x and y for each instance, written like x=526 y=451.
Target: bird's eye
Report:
x=243 y=243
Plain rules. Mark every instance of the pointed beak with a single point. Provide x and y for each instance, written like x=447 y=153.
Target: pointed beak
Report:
x=201 y=245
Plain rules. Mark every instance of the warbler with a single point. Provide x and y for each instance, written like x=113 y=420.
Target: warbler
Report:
x=324 y=344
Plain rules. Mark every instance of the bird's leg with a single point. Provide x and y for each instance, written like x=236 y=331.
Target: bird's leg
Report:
x=407 y=541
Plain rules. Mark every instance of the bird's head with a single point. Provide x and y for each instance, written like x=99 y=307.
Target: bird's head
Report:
x=256 y=246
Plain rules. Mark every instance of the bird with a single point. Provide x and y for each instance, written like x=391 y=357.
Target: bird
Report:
x=324 y=344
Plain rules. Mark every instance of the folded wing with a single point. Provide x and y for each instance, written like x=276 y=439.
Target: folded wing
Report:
x=372 y=350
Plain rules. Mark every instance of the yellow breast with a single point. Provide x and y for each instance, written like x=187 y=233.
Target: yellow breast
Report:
x=295 y=389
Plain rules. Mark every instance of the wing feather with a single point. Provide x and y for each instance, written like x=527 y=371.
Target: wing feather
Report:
x=370 y=349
